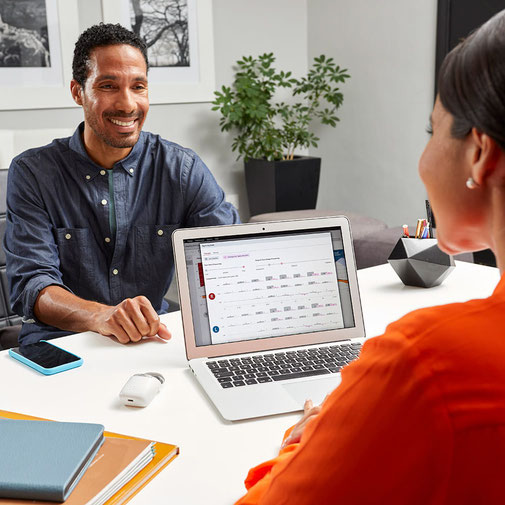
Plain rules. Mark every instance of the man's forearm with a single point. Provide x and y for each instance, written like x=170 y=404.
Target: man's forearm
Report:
x=60 y=308
x=130 y=320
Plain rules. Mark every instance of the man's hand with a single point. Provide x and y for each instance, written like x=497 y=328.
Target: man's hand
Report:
x=130 y=320
x=309 y=411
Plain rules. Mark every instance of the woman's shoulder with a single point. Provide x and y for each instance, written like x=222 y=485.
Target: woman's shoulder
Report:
x=465 y=340
x=458 y=349
x=469 y=319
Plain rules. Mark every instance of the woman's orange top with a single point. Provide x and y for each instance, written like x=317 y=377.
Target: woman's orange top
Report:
x=419 y=418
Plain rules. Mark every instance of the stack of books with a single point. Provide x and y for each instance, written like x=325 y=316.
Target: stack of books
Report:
x=77 y=463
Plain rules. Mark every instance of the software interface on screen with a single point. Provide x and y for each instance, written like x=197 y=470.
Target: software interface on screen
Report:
x=259 y=286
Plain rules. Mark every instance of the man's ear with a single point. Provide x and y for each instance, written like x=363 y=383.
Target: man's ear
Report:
x=487 y=159
x=76 y=90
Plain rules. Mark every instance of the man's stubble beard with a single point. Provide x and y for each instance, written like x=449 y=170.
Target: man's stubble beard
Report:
x=120 y=143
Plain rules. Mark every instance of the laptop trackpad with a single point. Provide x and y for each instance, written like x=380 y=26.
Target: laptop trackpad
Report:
x=315 y=390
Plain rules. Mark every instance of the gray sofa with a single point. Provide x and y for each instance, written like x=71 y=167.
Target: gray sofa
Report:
x=373 y=240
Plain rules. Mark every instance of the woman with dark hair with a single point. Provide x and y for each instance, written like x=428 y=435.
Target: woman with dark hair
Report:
x=419 y=418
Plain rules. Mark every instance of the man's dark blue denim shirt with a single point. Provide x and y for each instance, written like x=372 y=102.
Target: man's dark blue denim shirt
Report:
x=58 y=230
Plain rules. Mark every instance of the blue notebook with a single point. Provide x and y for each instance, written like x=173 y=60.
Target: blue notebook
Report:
x=44 y=460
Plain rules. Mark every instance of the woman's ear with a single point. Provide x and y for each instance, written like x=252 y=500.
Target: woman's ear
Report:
x=486 y=158
x=76 y=90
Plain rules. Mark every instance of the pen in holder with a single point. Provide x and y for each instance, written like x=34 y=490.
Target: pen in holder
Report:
x=419 y=262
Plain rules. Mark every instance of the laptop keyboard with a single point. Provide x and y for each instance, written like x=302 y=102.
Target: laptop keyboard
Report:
x=279 y=366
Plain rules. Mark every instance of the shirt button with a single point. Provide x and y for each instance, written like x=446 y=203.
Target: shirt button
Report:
x=88 y=177
x=107 y=239
x=115 y=271
x=102 y=172
x=104 y=202
x=160 y=232
x=68 y=236
x=131 y=170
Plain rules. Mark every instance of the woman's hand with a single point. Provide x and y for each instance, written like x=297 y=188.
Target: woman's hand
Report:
x=309 y=411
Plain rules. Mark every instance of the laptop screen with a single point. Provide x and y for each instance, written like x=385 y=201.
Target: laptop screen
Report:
x=267 y=285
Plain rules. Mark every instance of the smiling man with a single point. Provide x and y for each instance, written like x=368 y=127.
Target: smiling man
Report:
x=90 y=217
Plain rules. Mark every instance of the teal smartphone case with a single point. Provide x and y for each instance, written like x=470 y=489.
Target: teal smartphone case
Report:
x=47 y=371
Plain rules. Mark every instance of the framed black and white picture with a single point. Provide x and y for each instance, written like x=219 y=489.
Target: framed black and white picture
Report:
x=36 y=50
x=178 y=35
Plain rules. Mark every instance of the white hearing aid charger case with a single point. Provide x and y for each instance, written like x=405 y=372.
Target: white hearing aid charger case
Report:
x=141 y=388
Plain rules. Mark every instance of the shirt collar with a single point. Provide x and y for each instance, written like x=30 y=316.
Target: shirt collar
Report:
x=128 y=163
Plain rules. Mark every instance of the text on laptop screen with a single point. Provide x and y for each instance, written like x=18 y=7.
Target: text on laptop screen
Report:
x=267 y=285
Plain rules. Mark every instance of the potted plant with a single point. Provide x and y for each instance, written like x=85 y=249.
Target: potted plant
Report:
x=268 y=132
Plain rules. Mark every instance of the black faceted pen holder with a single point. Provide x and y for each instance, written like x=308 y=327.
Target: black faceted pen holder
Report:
x=419 y=262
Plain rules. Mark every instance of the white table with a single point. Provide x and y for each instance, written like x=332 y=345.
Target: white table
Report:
x=215 y=454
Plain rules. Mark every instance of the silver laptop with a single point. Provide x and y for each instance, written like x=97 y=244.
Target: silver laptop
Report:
x=271 y=311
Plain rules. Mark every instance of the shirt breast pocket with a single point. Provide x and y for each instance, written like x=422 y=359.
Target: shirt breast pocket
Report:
x=154 y=252
x=75 y=247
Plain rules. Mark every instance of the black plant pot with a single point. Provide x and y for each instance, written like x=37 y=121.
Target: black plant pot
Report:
x=276 y=186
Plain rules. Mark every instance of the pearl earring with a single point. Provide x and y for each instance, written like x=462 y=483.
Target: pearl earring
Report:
x=471 y=184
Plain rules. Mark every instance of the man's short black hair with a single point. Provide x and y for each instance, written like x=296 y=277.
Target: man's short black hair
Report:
x=103 y=34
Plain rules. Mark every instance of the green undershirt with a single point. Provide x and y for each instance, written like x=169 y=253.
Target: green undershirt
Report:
x=112 y=207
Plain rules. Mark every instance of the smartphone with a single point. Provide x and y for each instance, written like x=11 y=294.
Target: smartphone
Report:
x=45 y=357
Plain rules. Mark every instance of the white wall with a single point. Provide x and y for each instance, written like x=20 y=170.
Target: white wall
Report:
x=241 y=27
x=370 y=160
